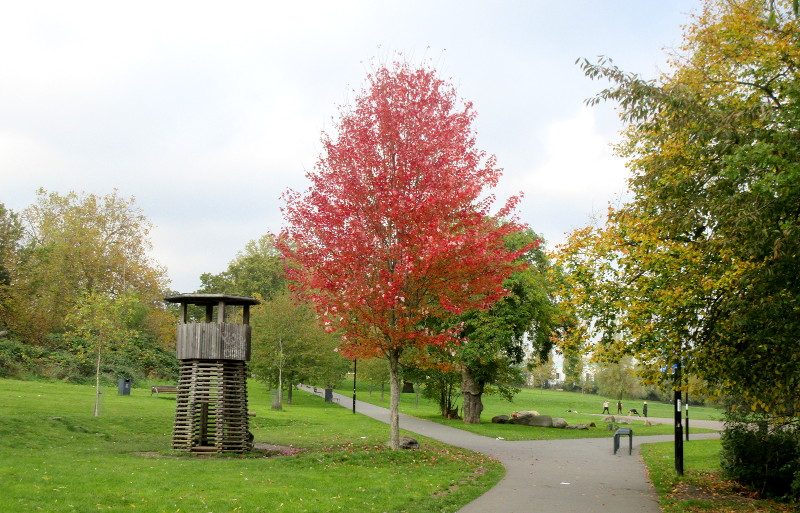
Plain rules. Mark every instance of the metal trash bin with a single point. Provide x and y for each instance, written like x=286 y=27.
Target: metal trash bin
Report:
x=124 y=386
x=328 y=395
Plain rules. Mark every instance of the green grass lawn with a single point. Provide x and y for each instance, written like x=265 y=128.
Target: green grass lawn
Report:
x=547 y=402
x=54 y=456
x=701 y=489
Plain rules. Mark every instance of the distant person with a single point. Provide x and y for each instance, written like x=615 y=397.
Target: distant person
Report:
x=605 y=407
x=644 y=409
x=619 y=407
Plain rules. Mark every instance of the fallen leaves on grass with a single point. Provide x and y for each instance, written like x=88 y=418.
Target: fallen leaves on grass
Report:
x=708 y=492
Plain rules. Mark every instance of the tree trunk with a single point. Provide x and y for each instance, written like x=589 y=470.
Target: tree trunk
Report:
x=394 y=400
x=96 y=411
x=277 y=404
x=471 y=391
x=289 y=394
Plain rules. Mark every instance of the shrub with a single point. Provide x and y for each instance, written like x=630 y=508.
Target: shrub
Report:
x=763 y=454
x=60 y=360
x=16 y=358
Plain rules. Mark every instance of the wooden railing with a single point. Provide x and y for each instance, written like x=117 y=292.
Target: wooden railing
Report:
x=213 y=341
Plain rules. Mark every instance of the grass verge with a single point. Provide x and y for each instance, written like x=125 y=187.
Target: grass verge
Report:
x=701 y=489
x=54 y=456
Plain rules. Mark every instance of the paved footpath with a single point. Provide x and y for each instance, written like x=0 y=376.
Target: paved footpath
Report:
x=581 y=476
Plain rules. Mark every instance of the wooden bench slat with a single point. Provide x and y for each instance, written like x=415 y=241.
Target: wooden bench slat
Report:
x=163 y=389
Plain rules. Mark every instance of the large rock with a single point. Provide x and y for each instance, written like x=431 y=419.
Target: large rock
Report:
x=408 y=442
x=515 y=414
x=578 y=426
x=609 y=418
x=527 y=419
x=560 y=423
x=500 y=419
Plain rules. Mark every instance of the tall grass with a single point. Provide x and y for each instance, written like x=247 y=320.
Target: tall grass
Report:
x=54 y=456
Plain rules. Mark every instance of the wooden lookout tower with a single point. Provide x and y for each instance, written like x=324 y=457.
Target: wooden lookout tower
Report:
x=211 y=409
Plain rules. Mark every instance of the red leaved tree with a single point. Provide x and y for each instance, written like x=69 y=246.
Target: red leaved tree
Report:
x=395 y=233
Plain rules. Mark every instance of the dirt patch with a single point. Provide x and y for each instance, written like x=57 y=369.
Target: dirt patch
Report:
x=259 y=450
x=729 y=493
x=271 y=450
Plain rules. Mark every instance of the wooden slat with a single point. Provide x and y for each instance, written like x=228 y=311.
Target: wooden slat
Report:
x=213 y=341
x=211 y=408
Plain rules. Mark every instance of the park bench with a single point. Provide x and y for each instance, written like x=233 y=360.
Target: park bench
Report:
x=163 y=389
x=623 y=432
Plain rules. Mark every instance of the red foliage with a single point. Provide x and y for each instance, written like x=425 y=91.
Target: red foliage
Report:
x=394 y=231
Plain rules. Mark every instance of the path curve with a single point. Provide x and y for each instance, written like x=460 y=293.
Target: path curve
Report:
x=580 y=475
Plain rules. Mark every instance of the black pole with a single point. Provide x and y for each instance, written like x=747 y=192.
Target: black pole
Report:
x=678 y=425
x=687 y=410
x=355 y=360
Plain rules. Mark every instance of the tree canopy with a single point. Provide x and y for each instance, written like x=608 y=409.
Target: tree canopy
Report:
x=76 y=244
x=256 y=270
x=394 y=230
x=702 y=266
x=289 y=346
x=496 y=339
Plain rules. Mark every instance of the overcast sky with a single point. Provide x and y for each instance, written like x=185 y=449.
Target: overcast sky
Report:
x=207 y=112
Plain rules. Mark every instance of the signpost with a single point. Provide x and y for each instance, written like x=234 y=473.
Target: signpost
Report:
x=678 y=424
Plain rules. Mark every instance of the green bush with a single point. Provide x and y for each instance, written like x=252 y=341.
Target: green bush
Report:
x=60 y=360
x=762 y=455
x=17 y=358
x=65 y=366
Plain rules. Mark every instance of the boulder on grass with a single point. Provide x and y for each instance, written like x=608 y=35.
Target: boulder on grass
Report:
x=408 y=442
x=532 y=420
x=578 y=426
x=560 y=423
x=500 y=419
x=515 y=414
x=609 y=418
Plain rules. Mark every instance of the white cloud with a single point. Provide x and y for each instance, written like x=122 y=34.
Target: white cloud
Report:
x=207 y=112
x=575 y=180
x=580 y=165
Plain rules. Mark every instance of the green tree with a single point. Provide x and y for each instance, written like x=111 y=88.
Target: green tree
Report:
x=76 y=245
x=289 y=346
x=10 y=236
x=617 y=379
x=256 y=270
x=702 y=266
x=573 y=371
x=541 y=373
x=437 y=369
x=374 y=371
x=495 y=340
x=99 y=323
